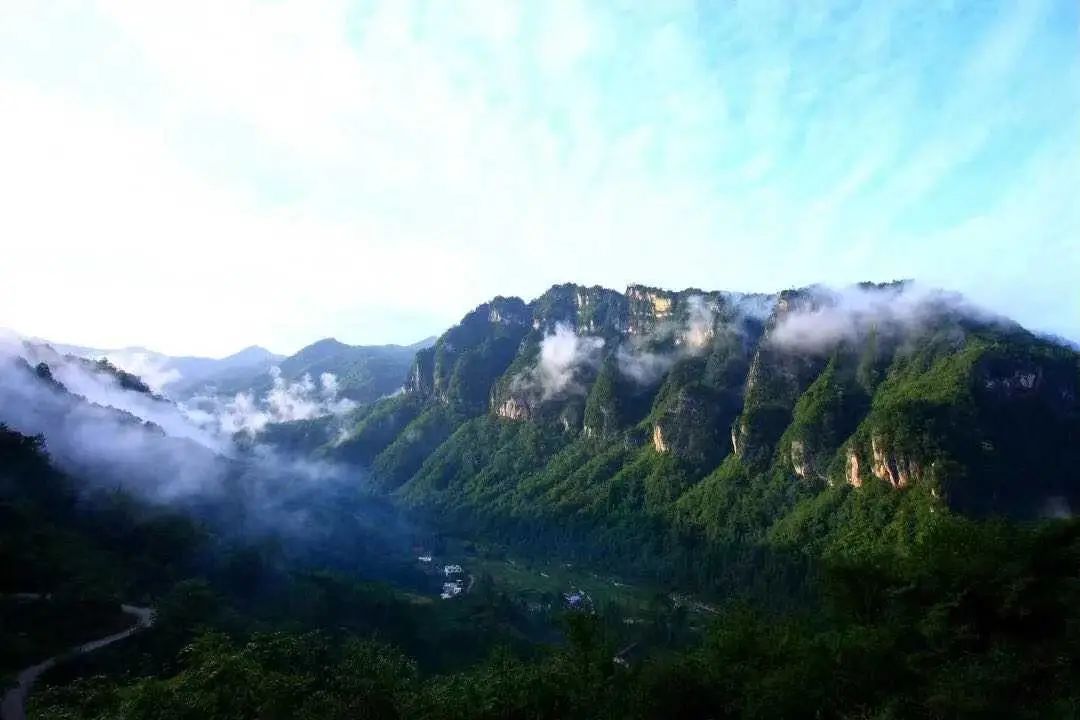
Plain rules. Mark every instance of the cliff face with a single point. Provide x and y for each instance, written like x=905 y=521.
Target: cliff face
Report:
x=467 y=359
x=893 y=467
x=804 y=384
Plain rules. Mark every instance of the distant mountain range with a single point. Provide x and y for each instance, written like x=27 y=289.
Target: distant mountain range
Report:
x=175 y=372
x=363 y=372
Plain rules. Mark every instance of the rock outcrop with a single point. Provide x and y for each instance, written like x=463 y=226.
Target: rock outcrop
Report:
x=892 y=467
x=513 y=409
x=800 y=463
x=658 y=440
x=851 y=470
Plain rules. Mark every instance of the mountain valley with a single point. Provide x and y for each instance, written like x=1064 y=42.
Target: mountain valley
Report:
x=676 y=480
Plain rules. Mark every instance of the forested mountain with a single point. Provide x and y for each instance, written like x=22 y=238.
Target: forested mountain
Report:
x=363 y=373
x=687 y=433
x=178 y=375
x=104 y=423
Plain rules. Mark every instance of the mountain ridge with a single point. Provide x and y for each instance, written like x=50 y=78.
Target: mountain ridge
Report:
x=587 y=409
x=365 y=372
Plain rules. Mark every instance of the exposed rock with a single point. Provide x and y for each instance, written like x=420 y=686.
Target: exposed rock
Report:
x=693 y=425
x=496 y=316
x=1020 y=381
x=421 y=378
x=661 y=305
x=734 y=441
x=647 y=307
x=853 y=477
x=800 y=463
x=898 y=471
x=1054 y=381
x=513 y=409
x=658 y=439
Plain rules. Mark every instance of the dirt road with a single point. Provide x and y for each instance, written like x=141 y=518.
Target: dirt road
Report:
x=13 y=706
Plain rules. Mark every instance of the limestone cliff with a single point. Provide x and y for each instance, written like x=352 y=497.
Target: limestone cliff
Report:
x=893 y=467
x=697 y=376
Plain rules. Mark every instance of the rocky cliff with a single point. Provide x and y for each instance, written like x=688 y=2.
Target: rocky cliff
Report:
x=815 y=388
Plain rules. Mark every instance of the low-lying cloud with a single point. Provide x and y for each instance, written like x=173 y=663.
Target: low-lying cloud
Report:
x=96 y=426
x=691 y=337
x=153 y=369
x=642 y=366
x=828 y=317
x=112 y=444
x=700 y=323
x=109 y=434
x=562 y=354
x=285 y=401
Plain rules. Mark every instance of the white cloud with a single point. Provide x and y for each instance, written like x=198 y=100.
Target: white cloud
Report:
x=825 y=317
x=563 y=354
x=642 y=366
x=284 y=401
x=691 y=337
x=151 y=368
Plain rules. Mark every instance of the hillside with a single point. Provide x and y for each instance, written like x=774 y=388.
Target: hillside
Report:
x=179 y=375
x=685 y=433
x=363 y=373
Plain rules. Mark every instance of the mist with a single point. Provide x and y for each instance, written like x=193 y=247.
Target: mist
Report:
x=153 y=369
x=285 y=401
x=827 y=317
x=109 y=436
x=108 y=446
x=691 y=337
x=643 y=366
x=562 y=354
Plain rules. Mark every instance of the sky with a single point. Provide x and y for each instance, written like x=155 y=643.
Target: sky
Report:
x=197 y=177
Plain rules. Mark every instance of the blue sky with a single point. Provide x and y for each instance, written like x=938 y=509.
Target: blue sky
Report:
x=200 y=176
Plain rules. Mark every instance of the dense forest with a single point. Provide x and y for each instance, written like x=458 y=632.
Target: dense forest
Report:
x=843 y=505
x=972 y=619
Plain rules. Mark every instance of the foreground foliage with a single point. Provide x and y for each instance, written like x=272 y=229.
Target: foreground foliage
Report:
x=977 y=620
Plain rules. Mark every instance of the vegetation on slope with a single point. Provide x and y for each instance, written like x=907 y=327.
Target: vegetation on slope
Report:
x=715 y=451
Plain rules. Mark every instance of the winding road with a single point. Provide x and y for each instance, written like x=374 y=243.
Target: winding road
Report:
x=13 y=706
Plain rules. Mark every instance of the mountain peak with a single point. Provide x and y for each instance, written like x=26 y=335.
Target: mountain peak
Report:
x=252 y=354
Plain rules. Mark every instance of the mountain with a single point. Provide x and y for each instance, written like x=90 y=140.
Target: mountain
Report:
x=832 y=455
x=176 y=374
x=104 y=423
x=687 y=432
x=362 y=373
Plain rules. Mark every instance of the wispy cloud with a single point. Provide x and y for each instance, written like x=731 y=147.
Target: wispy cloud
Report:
x=285 y=401
x=563 y=355
x=825 y=317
